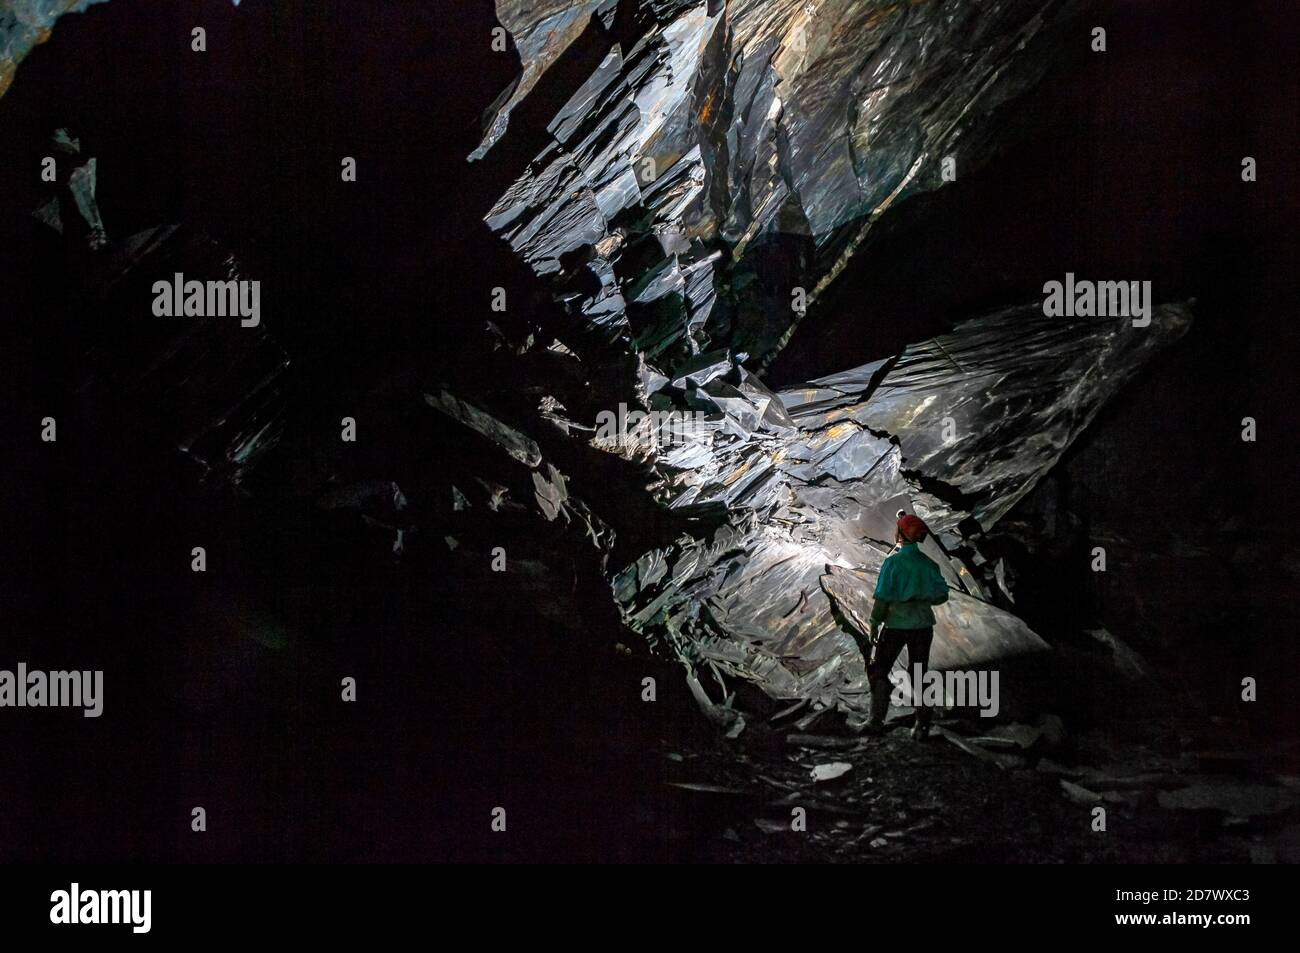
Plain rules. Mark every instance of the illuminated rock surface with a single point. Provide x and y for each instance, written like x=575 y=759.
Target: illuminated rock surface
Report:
x=716 y=158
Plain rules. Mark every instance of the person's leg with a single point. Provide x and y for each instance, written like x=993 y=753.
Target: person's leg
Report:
x=918 y=653
x=882 y=659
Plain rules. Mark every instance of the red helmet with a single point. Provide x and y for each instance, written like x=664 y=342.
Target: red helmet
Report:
x=912 y=528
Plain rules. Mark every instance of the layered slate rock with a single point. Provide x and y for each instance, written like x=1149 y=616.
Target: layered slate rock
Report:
x=814 y=476
x=25 y=24
x=714 y=158
x=696 y=163
x=720 y=154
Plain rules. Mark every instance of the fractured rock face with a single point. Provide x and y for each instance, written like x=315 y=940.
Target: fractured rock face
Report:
x=982 y=412
x=26 y=23
x=703 y=169
x=704 y=180
x=712 y=133
x=815 y=475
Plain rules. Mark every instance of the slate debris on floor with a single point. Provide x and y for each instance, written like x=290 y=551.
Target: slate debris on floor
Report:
x=892 y=799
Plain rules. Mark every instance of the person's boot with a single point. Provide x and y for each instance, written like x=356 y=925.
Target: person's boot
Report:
x=879 y=708
x=921 y=725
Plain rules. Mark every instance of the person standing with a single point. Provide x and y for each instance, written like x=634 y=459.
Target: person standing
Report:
x=909 y=584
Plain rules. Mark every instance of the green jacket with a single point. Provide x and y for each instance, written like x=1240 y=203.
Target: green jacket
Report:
x=909 y=583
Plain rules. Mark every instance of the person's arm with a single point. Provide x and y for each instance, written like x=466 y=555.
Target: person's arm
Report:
x=880 y=605
x=879 y=613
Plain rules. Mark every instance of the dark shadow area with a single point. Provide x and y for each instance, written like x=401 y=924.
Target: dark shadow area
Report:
x=475 y=689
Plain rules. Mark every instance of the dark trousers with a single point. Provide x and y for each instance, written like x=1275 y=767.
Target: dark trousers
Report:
x=886 y=652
